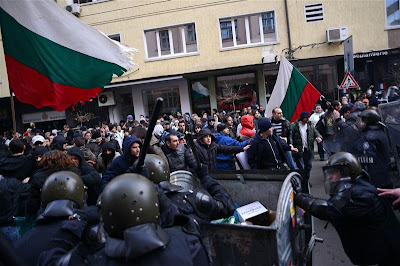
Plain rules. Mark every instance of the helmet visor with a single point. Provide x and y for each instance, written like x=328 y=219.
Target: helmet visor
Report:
x=333 y=175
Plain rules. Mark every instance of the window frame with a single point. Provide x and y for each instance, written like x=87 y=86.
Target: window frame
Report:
x=115 y=34
x=248 y=44
x=172 y=53
x=386 y=20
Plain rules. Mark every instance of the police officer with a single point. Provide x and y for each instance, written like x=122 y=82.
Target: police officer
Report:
x=366 y=224
x=372 y=149
x=63 y=195
x=203 y=204
x=130 y=213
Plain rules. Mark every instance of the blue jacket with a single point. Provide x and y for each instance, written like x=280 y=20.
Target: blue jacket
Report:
x=121 y=164
x=224 y=161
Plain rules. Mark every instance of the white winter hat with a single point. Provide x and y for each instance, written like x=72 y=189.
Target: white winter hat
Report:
x=37 y=138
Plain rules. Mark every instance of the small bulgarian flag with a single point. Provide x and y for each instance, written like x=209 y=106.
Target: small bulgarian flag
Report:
x=53 y=58
x=293 y=93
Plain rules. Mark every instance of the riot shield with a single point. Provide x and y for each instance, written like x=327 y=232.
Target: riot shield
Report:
x=390 y=115
x=357 y=142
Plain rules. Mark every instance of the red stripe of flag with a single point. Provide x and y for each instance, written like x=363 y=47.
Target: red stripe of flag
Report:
x=29 y=86
x=306 y=102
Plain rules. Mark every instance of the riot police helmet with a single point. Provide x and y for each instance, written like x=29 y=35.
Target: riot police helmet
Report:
x=341 y=167
x=370 y=117
x=63 y=185
x=128 y=200
x=158 y=168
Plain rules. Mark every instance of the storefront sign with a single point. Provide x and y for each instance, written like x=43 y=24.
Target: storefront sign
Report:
x=371 y=54
x=43 y=116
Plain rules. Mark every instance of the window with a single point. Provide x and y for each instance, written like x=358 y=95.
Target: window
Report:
x=115 y=37
x=172 y=41
x=235 y=92
x=248 y=30
x=314 y=12
x=392 y=13
x=171 y=98
x=200 y=97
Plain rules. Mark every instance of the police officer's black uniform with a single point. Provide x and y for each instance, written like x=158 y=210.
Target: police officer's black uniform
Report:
x=129 y=210
x=366 y=224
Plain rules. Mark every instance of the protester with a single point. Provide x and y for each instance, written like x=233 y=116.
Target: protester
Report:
x=304 y=135
x=105 y=158
x=206 y=148
x=178 y=156
x=247 y=128
x=225 y=161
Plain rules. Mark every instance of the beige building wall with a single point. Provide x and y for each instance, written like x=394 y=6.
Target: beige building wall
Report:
x=365 y=20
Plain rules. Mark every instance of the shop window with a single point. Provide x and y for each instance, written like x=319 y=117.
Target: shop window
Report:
x=236 y=92
x=200 y=97
x=392 y=13
x=171 y=41
x=248 y=30
x=171 y=98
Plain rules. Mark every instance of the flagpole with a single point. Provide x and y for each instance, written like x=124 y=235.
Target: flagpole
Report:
x=13 y=111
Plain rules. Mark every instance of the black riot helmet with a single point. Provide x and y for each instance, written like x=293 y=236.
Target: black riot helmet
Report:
x=341 y=167
x=158 y=168
x=370 y=117
x=61 y=186
x=128 y=200
x=184 y=179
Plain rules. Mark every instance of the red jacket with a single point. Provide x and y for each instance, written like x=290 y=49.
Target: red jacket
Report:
x=247 y=126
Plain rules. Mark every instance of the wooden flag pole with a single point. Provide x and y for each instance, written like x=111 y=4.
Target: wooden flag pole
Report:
x=13 y=111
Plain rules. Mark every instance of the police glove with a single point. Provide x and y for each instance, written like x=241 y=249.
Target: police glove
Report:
x=141 y=170
x=202 y=171
x=296 y=184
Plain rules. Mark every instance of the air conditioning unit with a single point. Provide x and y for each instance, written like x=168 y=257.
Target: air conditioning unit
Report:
x=106 y=98
x=74 y=9
x=337 y=34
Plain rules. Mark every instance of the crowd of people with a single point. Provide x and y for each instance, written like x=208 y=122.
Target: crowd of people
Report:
x=48 y=176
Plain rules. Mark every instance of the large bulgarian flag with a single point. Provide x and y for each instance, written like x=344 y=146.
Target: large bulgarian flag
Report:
x=293 y=93
x=53 y=58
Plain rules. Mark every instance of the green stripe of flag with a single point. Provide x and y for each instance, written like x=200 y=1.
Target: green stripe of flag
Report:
x=60 y=64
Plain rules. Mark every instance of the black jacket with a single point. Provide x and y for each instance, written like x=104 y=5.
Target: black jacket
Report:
x=121 y=164
x=207 y=154
x=366 y=224
x=36 y=183
x=58 y=143
x=19 y=167
x=13 y=198
x=181 y=159
x=179 y=244
x=267 y=153
x=89 y=175
x=53 y=220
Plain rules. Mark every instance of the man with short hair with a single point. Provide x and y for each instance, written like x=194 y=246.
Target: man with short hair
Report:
x=179 y=157
x=182 y=127
x=228 y=120
x=304 y=134
x=89 y=156
x=283 y=129
x=16 y=164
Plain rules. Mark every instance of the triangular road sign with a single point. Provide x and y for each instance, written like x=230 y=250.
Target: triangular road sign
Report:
x=349 y=82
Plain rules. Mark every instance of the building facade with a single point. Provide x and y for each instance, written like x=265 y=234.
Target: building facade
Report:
x=200 y=55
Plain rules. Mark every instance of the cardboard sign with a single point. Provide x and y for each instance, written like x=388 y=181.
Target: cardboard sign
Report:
x=250 y=210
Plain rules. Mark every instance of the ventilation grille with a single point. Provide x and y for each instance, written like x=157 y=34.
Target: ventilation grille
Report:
x=314 y=12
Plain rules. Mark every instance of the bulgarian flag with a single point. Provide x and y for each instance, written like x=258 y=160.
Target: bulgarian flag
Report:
x=293 y=93
x=53 y=58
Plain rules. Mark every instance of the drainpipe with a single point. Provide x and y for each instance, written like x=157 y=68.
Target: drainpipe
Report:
x=290 y=52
